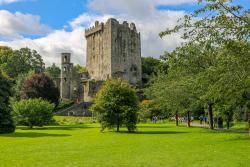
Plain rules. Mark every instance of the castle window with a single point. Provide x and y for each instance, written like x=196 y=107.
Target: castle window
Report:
x=65 y=79
x=65 y=59
x=64 y=69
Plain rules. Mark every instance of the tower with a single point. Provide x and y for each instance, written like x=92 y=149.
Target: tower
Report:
x=114 y=51
x=66 y=76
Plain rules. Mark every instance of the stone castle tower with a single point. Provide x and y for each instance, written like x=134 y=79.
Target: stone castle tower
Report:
x=71 y=85
x=114 y=50
x=66 y=76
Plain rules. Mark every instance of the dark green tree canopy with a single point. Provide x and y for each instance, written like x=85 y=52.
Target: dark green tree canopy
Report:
x=53 y=71
x=116 y=104
x=6 y=121
x=152 y=66
x=15 y=62
x=40 y=86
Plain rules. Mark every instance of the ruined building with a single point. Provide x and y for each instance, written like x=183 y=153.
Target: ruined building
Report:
x=71 y=87
x=113 y=51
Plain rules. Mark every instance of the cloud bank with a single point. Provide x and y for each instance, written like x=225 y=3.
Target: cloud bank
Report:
x=149 y=21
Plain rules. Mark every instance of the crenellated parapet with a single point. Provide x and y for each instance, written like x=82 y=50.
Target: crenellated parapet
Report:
x=92 y=30
x=98 y=27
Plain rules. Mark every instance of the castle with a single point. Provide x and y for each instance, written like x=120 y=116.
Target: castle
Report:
x=113 y=51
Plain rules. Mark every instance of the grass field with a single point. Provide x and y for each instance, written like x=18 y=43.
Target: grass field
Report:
x=159 y=145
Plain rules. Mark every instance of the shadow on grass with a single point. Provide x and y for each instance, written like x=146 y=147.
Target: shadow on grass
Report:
x=153 y=132
x=33 y=135
x=63 y=127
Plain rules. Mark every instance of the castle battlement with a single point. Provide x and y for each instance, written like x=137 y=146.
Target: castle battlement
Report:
x=100 y=26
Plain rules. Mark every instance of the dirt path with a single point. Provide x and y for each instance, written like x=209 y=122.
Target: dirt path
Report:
x=219 y=129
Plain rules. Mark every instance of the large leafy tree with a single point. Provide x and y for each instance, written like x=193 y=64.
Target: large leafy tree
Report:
x=116 y=105
x=15 y=62
x=214 y=33
x=6 y=121
x=40 y=86
x=53 y=71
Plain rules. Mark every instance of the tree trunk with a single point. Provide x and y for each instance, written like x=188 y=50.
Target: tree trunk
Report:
x=249 y=123
x=211 y=118
x=188 y=118
x=118 y=128
x=228 y=121
x=118 y=124
x=176 y=119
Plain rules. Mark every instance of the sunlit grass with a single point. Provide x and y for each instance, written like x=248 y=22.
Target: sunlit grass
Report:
x=152 y=145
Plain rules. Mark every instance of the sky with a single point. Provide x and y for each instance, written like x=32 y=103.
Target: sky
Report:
x=55 y=26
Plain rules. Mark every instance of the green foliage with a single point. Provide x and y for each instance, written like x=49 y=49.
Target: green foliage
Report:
x=6 y=121
x=40 y=86
x=53 y=71
x=152 y=66
x=72 y=120
x=64 y=104
x=33 y=112
x=116 y=104
x=19 y=82
x=212 y=68
x=15 y=62
x=214 y=23
x=80 y=69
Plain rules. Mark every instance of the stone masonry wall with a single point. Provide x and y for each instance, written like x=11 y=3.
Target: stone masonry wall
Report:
x=114 y=50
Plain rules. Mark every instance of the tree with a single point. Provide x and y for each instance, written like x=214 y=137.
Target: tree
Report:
x=221 y=31
x=40 y=86
x=15 y=62
x=18 y=84
x=79 y=69
x=151 y=66
x=6 y=121
x=116 y=104
x=53 y=71
x=33 y=112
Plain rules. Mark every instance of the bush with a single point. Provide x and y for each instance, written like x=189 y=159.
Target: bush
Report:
x=64 y=104
x=40 y=86
x=116 y=104
x=145 y=110
x=33 y=112
x=6 y=121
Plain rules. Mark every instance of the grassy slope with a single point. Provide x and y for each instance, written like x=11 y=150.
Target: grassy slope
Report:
x=152 y=146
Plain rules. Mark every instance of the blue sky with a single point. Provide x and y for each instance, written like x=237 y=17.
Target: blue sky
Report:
x=54 y=26
x=55 y=13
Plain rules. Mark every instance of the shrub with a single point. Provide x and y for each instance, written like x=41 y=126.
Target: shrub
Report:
x=6 y=121
x=64 y=104
x=33 y=112
x=116 y=104
x=145 y=110
x=40 y=86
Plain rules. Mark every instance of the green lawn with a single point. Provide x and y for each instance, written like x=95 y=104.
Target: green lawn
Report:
x=159 y=145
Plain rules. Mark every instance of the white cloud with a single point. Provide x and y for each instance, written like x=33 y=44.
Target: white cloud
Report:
x=15 y=25
x=51 y=46
x=9 y=1
x=136 y=8
x=148 y=19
